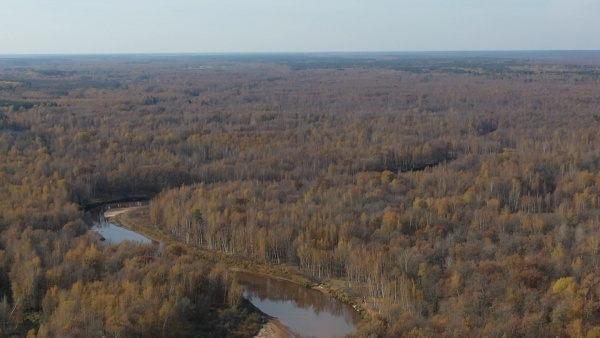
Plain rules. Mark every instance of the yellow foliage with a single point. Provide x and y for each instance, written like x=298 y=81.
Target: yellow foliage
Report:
x=469 y=195
x=31 y=333
x=82 y=137
x=415 y=332
x=387 y=176
x=422 y=270
x=455 y=281
x=558 y=253
x=564 y=284
x=417 y=294
x=390 y=219
x=594 y=332
x=440 y=322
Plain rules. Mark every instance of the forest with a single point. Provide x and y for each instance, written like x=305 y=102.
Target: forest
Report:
x=447 y=194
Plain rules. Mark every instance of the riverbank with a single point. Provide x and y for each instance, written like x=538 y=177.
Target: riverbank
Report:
x=111 y=213
x=274 y=329
x=115 y=200
x=133 y=218
x=137 y=219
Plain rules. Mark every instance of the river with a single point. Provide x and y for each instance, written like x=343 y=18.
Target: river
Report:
x=110 y=232
x=303 y=311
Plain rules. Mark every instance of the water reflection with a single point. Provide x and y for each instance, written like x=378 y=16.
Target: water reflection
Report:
x=111 y=233
x=306 y=312
x=114 y=234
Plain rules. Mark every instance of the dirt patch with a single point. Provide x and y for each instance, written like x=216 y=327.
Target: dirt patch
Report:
x=115 y=212
x=274 y=329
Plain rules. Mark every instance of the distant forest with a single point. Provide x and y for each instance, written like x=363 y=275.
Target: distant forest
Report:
x=448 y=194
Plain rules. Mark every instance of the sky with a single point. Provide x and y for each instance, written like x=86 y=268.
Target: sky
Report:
x=262 y=26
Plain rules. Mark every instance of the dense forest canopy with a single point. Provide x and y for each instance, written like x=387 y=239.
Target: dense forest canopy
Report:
x=454 y=194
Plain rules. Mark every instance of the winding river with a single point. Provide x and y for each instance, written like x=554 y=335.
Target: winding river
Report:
x=304 y=312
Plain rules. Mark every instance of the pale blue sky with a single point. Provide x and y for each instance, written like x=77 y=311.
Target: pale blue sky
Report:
x=215 y=26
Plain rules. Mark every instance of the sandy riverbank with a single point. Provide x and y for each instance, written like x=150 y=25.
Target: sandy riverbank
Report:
x=117 y=211
x=274 y=329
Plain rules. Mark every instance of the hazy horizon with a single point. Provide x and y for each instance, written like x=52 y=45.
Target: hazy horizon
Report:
x=69 y=27
x=313 y=53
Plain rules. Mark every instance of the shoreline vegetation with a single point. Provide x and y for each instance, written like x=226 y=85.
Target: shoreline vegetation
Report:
x=136 y=219
x=114 y=200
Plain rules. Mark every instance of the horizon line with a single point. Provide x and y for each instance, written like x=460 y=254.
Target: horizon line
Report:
x=293 y=52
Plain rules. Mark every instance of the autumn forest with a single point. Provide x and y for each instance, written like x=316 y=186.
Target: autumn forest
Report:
x=442 y=194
